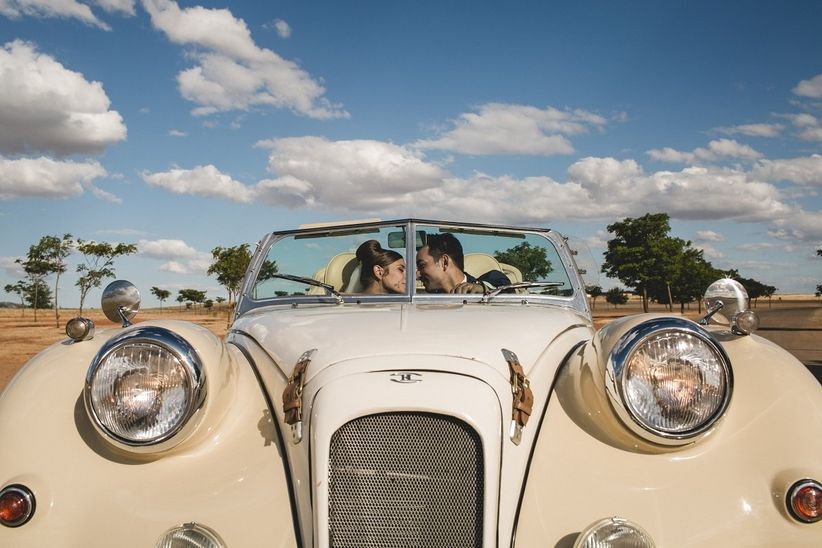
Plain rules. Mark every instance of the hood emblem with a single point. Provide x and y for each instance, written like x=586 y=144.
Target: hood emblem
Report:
x=406 y=378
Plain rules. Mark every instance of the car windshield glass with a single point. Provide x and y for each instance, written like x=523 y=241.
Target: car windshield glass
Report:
x=490 y=257
x=330 y=259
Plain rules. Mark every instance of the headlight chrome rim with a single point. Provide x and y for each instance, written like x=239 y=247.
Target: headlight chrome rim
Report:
x=622 y=353
x=182 y=351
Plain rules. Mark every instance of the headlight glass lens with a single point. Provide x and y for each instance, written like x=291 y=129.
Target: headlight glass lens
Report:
x=614 y=533
x=673 y=382
x=141 y=391
x=190 y=535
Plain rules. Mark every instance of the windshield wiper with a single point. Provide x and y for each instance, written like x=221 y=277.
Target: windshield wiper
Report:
x=315 y=283
x=520 y=285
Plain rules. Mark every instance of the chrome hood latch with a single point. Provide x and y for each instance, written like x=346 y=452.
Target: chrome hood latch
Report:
x=523 y=398
x=293 y=397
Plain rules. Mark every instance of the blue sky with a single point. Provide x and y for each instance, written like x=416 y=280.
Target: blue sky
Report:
x=181 y=126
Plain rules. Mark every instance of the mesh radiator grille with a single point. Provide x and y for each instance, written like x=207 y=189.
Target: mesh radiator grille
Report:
x=405 y=480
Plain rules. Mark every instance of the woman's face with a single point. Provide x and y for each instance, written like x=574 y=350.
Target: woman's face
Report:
x=392 y=279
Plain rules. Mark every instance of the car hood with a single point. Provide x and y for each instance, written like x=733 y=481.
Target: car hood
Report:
x=348 y=332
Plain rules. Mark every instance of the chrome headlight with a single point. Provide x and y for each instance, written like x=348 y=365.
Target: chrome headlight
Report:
x=143 y=387
x=190 y=535
x=669 y=380
x=612 y=533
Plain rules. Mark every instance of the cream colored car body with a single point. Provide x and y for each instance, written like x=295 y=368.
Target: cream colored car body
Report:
x=240 y=472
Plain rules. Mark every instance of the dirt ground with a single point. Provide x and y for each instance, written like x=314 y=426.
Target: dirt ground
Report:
x=796 y=324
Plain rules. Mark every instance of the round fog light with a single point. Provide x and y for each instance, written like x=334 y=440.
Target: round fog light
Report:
x=16 y=505
x=80 y=329
x=612 y=533
x=190 y=535
x=805 y=501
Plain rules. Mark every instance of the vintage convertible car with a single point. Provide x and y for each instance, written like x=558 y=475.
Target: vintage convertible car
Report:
x=330 y=417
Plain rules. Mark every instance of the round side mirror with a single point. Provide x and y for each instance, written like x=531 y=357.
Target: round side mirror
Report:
x=730 y=294
x=121 y=301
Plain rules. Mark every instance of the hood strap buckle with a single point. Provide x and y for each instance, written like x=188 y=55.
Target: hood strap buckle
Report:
x=293 y=397
x=522 y=397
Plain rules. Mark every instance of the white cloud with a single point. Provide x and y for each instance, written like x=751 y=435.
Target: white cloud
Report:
x=196 y=266
x=804 y=170
x=808 y=126
x=717 y=150
x=709 y=236
x=233 y=73
x=515 y=129
x=46 y=107
x=166 y=249
x=177 y=133
x=810 y=88
x=47 y=178
x=802 y=226
x=709 y=251
x=357 y=174
x=11 y=268
x=753 y=130
x=283 y=28
x=204 y=181
x=69 y=9
x=122 y=7
x=181 y=258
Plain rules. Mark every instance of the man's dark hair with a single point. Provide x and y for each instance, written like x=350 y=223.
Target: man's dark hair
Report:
x=446 y=244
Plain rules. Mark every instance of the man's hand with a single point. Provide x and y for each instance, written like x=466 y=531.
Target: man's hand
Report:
x=470 y=287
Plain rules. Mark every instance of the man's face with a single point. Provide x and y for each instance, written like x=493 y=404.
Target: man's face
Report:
x=430 y=272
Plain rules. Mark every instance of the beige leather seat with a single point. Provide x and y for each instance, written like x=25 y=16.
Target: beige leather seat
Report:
x=514 y=274
x=343 y=273
x=478 y=264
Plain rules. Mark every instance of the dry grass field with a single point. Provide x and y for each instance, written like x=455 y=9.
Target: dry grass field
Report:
x=21 y=337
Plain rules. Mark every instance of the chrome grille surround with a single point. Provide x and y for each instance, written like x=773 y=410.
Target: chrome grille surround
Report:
x=405 y=479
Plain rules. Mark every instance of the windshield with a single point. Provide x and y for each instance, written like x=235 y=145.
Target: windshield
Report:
x=331 y=259
x=492 y=258
x=381 y=261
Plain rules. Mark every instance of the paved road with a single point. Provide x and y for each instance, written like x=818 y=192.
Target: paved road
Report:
x=798 y=329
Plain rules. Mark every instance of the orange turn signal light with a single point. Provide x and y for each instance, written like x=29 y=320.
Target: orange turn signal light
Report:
x=805 y=501
x=16 y=505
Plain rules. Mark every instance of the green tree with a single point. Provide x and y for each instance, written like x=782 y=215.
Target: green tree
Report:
x=20 y=289
x=54 y=251
x=194 y=296
x=616 y=296
x=229 y=266
x=208 y=303
x=595 y=292
x=36 y=265
x=531 y=260
x=98 y=264
x=38 y=294
x=640 y=254
x=180 y=300
x=161 y=294
x=688 y=278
